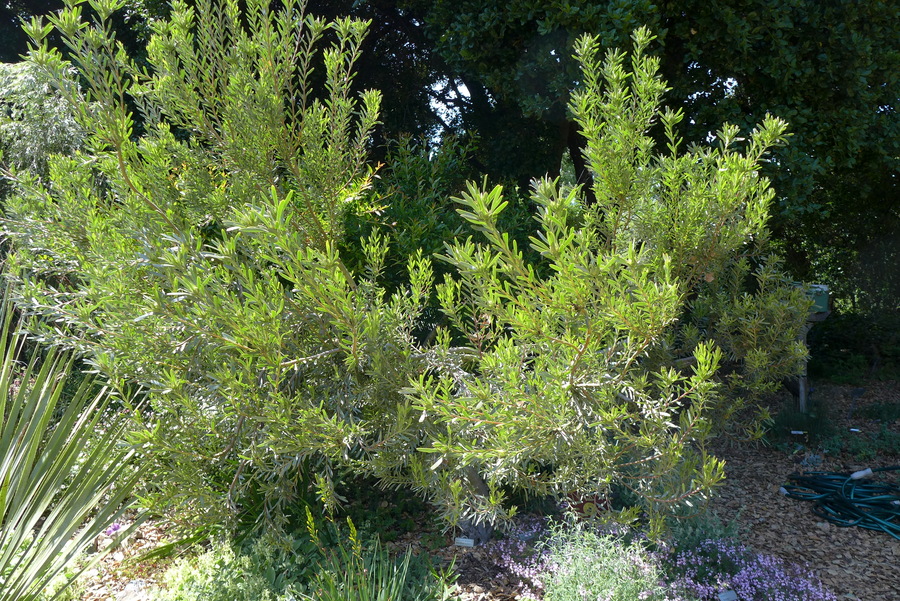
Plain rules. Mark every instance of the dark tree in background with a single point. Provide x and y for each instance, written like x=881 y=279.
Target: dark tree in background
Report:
x=131 y=24
x=497 y=74
x=831 y=69
x=399 y=60
x=13 y=41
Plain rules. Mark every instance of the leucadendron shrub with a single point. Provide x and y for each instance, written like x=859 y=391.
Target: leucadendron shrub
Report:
x=201 y=261
x=416 y=209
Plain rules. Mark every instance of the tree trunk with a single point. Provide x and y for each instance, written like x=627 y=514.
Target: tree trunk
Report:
x=479 y=532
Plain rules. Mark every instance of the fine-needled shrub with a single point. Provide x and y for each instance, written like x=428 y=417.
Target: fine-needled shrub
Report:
x=580 y=564
x=201 y=260
x=596 y=370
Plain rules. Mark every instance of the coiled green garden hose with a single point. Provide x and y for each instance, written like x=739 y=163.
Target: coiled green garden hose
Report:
x=849 y=500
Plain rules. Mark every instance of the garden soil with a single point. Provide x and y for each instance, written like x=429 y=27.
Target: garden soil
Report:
x=856 y=564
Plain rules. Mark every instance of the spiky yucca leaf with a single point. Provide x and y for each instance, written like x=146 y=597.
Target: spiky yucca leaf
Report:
x=65 y=474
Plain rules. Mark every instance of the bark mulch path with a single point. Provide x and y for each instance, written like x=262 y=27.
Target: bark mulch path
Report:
x=856 y=564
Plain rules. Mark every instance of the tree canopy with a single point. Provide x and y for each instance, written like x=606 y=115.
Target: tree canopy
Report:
x=830 y=69
x=13 y=40
x=498 y=76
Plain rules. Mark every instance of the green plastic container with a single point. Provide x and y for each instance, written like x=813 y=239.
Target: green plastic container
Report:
x=819 y=295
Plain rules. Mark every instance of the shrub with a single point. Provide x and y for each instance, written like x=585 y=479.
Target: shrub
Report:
x=718 y=565
x=207 y=246
x=201 y=260
x=416 y=210
x=598 y=370
x=259 y=569
x=325 y=564
x=577 y=562
x=690 y=532
x=358 y=573
x=840 y=355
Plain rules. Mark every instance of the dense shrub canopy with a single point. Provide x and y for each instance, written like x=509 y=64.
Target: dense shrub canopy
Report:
x=200 y=260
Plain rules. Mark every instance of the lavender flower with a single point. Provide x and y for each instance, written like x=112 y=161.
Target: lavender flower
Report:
x=113 y=529
x=718 y=565
x=580 y=563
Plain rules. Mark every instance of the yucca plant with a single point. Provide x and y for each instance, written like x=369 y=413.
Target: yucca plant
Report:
x=65 y=474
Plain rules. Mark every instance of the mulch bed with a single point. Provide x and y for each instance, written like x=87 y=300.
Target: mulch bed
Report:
x=856 y=564
x=118 y=576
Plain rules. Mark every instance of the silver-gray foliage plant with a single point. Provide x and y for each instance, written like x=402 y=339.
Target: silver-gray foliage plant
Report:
x=35 y=121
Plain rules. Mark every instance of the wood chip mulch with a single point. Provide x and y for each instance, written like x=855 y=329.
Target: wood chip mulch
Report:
x=855 y=563
x=120 y=576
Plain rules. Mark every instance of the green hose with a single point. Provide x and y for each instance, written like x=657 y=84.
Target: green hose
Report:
x=848 y=500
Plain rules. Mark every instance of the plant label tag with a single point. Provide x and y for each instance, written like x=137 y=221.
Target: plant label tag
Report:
x=728 y=596
x=470 y=542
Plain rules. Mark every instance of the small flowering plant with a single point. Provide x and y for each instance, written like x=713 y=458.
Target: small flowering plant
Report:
x=715 y=566
x=516 y=555
x=580 y=561
x=587 y=561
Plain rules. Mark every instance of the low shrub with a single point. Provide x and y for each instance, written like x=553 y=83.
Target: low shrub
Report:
x=574 y=560
x=225 y=574
x=815 y=424
x=715 y=566
x=691 y=532
x=356 y=572
x=864 y=446
x=324 y=564
x=887 y=413
x=587 y=561
x=581 y=565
